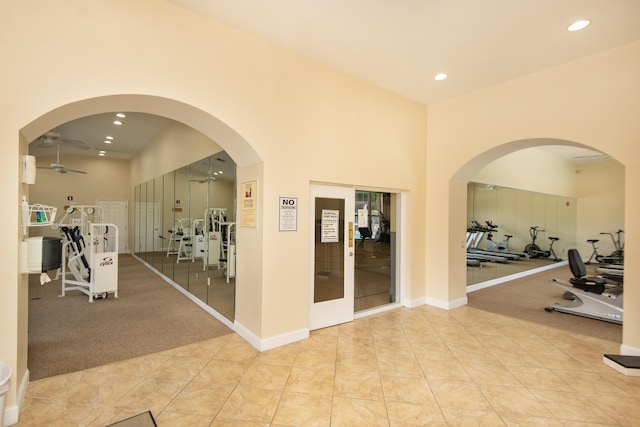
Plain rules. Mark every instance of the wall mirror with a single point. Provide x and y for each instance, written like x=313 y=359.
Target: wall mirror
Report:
x=513 y=212
x=184 y=227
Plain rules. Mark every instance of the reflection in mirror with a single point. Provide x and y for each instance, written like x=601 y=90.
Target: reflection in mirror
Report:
x=140 y=220
x=158 y=213
x=500 y=220
x=149 y=223
x=136 y=220
x=216 y=178
x=198 y=203
x=169 y=247
x=185 y=228
x=182 y=227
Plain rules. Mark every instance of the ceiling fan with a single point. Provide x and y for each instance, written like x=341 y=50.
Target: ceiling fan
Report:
x=203 y=180
x=53 y=139
x=57 y=166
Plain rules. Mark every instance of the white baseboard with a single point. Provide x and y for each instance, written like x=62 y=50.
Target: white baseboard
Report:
x=629 y=351
x=228 y=323
x=412 y=303
x=271 y=342
x=499 y=280
x=12 y=413
x=447 y=305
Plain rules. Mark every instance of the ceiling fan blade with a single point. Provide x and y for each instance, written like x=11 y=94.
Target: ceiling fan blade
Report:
x=53 y=139
x=75 y=171
x=75 y=144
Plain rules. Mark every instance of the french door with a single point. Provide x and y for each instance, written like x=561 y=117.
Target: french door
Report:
x=332 y=256
x=116 y=212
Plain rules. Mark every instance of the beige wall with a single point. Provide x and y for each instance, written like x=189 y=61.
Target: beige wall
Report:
x=531 y=169
x=106 y=179
x=601 y=200
x=288 y=121
x=578 y=103
x=174 y=147
x=285 y=120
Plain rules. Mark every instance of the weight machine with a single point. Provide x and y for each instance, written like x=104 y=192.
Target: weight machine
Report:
x=80 y=216
x=210 y=241
x=90 y=261
x=216 y=242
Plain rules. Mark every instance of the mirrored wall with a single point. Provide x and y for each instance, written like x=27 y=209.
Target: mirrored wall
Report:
x=184 y=227
x=513 y=213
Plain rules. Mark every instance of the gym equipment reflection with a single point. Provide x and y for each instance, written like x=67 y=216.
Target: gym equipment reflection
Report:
x=184 y=228
x=511 y=212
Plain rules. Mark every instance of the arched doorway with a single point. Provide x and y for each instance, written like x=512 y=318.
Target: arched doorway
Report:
x=236 y=147
x=528 y=173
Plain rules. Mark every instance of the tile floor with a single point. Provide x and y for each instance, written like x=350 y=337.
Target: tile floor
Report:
x=406 y=367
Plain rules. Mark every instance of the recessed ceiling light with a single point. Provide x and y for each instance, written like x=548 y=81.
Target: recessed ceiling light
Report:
x=121 y=115
x=220 y=172
x=109 y=137
x=578 y=25
x=101 y=153
x=106 y=141
x=117 y=122
x=441 y=76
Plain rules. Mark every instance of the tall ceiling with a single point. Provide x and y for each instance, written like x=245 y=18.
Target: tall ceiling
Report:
x=402 y=45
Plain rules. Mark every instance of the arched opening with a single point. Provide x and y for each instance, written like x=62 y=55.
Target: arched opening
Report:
x=230 y=140
x=575 y=231
x=235 y=146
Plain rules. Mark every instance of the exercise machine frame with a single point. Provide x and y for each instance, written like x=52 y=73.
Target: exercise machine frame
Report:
x=90 y=268
x=590 y=296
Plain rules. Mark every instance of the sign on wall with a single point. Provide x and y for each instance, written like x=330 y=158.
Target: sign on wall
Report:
x=248 y=205
x=288 y=213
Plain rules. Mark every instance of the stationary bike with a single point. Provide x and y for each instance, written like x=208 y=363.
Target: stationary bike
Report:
x=616 y=257
x=496 y=246
x=533 y=250
x=500 y=247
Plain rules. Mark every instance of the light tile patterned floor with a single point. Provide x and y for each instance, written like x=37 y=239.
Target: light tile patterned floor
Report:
x=406 y=367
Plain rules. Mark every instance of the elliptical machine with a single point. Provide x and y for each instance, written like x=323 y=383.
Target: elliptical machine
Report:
x=617 y=256
x=533 y=250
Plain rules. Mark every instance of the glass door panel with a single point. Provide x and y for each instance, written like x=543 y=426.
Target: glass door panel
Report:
x=375 y=250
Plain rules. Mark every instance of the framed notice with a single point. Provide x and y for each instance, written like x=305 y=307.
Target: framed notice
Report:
x=330 y=226
x=248 y=204
x=288 y=213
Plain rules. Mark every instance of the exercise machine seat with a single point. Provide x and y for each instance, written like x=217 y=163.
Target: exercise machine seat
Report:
x=580 y=279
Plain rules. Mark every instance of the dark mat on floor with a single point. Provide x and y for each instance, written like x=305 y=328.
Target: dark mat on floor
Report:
x=141 y=420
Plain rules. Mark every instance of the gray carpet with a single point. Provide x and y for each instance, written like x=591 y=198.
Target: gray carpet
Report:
x=70 y=334
x=526 y=299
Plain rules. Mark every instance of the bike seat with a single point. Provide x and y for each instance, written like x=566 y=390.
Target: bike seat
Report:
x=554 y=238
x=593 y=241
